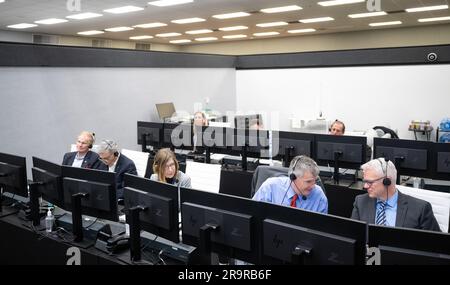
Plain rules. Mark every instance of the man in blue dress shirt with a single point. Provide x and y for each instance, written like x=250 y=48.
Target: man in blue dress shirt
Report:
x=298 y=190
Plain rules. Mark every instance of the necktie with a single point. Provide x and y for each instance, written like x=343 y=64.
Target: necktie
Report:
x=294 y=200
x=381 y=213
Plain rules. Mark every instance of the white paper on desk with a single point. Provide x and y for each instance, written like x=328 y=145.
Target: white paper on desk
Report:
x=204 y=176
x=139 y=158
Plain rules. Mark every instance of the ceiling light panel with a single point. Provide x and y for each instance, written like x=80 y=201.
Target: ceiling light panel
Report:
x=316 y=20
x=365 y=15
x=22 y=26
x=281 y=9
x=165 y=3
x=231 y=15
x=51 y=21
x=188 y=21
x=385 y=23
x=119 y=29
x=339 y=2
x=150 y=25
x=272 y=24
x=428 y=8
x=83 y=16
x=90 y=33
x=195 y=32
x=141 y=37
x=124 y=9
x=233 y=28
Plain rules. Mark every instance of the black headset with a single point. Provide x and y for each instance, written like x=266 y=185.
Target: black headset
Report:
x=292 y=176
x=386 y=181
x=92 y=141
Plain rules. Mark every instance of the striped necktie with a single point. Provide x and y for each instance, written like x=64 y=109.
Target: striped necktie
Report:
x=294 y=200
x=381 y=213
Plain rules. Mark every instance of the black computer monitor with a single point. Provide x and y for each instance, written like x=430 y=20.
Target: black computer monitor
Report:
x=410 y=157
x=441 y=161
x=178 y=136
x=340 y=151
x=243 y=121
x=151 y=206
x=217 y=140
x=287 y=145
x=90 y=192
x=220 y=223
x=13 y=179
x=250 y=143
x=410 y=246
x=296 y=236
x=149 y=133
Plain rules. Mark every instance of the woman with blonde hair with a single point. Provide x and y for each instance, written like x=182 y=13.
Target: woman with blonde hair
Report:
x=166 y=169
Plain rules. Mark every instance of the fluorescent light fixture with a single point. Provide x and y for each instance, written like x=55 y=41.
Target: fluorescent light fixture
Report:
x=22 y=26
x=429 y=8
x=124 y=9
x=272 y=24
x=315 y=20
x=434 y=19
x=150 y=25
x=195 y=32
x=299 y=31
x=51 y=21
x=385 y=23
x=281 y=9
x=141 y=37
x=206 y=39
x=164 y=3
x=364 y=15
x=180 y=41
x=234 y=36
x=83 y=16
x=90 y=33
x=339 y=2
x=1 y=1
x=167 y=35
x=188 y=21
x=119 y=29
x=231 y=15
x=266 y=34
x=233 y=28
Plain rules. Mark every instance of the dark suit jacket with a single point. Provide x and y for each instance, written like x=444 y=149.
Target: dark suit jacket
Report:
x=123 y=165
x=91 y=160
x=411 y=212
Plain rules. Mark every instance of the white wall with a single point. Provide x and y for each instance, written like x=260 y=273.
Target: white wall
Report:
x=44 y=109
x=362 y=97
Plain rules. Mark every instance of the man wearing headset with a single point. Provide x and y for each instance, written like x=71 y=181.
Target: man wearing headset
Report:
x=83 y=157
x=383 y=204
x=298 y=190
x=116 y=162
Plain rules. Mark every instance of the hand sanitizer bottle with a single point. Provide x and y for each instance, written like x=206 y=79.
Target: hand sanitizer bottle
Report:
x=49 y=221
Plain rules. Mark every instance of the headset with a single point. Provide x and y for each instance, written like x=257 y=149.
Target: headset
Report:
x=386 y=181
x=111 y=146
x=293 y=177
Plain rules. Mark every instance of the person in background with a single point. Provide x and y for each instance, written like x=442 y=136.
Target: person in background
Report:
x=83 y=157
x=256 y=124
x=116 y=162
x=337 y=128
x=384 y=205
x=199 y=121
x=166 y=169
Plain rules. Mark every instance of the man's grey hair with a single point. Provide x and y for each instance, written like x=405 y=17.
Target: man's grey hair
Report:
x=108 y=146
x=379 y=165
x=302 y=164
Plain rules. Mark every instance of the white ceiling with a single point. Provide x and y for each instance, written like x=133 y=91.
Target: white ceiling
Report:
x=28 y=11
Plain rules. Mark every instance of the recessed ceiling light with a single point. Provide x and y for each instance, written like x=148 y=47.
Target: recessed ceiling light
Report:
x=364 y=15
x=90 y=33
x=83 y=16
x=385 y=23
x=164 y=3
x=141 y=37
x=272 y=24
x=231 y=15
x=339 y=2
x=233 y=28
x=234 y=36
x=167 y=35
x=119 y=29
x=281 y=9
x=434 y=19
x=206 y=39
x=51 y=21
x=180 y=41
x=315 y=20
x=301 y=31
x=266 y=34
x=150 y=25
x=195 y=32
x=429 y=8
x=1 y=1
x=124 y=9
x=22 y=26
x=188 y=21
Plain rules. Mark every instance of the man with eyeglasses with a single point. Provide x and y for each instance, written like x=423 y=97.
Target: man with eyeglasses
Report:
x=385 y=205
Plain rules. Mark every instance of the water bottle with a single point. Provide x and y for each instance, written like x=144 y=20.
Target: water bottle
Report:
x=416 y=182
x=49 y=221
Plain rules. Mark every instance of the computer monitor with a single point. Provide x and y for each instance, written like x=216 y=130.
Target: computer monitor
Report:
x=177 y=136
x=149 y=133
x=13 y=179
x=165 y=110
x=441 y=161
x=250 y=143
x=224 y=224
x=340 y=151
x=217 y=140
x=410 y=246
x=243 y=121
x=410 y=157
x=90 y=192
x=153 y=207
x=296 y=236
x=287 y=145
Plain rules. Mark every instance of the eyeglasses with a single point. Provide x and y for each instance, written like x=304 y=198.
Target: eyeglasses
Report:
x=370 y=182
x=168 y=166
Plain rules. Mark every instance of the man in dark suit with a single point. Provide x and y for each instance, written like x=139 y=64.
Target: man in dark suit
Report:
x=116 y=162
x=83 y=157
x=385 y=205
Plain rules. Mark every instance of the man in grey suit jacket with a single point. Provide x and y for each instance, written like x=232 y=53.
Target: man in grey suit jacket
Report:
x=400 y=210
